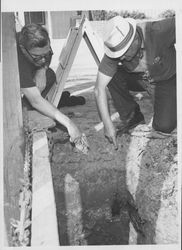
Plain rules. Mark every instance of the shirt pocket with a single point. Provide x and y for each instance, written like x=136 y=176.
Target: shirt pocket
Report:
x=157 y=65
x=164 y=65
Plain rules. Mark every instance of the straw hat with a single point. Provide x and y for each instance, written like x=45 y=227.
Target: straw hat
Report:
x=119 y=33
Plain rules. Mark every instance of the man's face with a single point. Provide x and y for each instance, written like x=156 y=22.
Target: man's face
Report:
x=38 y=56
x=133 y=49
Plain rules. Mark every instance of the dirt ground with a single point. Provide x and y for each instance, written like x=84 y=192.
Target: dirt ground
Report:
x=110 y=197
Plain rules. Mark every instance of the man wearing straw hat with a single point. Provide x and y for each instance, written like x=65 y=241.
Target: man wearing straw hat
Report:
x=138 y=56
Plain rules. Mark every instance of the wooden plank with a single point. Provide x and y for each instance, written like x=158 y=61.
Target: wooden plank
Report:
x=12 y=122
x=67 y=48
x=57 y=89
x=60 y=23
x=66 y=59
x=66 y=62
x=94 y=54
x=93 y=43
x=68 y=54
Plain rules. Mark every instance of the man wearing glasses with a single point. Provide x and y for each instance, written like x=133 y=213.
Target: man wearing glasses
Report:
x=36 y=78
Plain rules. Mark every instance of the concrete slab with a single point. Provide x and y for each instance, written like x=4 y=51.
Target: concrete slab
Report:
x=44 y=220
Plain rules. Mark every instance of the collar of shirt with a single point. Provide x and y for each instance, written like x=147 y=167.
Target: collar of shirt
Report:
x=141 y=36
x=139 y=62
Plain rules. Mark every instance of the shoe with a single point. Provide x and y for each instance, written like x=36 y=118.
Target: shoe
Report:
x=162 y=133
x=82 y=100
x=150 y=133
x=135 y=119
x=75 y=100
x=64 y=99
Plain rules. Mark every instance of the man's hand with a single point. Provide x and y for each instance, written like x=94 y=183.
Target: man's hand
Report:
x=79 y=139
x=73 y=131
x=110 y=134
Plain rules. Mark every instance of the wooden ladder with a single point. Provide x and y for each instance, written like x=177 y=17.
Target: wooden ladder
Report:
x=68 y=53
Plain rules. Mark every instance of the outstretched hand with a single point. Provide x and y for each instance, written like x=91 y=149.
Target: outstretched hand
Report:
x=110 y=134
x=73 y=131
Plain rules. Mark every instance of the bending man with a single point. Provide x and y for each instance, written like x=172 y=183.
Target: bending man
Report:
x=36 y=78
x=136 y=57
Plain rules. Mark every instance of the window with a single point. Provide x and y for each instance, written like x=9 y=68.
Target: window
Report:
x=35 y=17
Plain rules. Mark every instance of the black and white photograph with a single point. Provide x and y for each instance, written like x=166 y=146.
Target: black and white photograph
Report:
x=90 y=113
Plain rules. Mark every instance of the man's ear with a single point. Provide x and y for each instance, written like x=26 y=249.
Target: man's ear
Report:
x=25 y=53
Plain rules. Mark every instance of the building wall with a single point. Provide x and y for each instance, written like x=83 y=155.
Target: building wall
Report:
x=60 y=23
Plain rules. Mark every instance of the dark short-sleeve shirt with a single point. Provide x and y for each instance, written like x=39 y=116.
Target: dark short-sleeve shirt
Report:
x=158 y=38
x=27 y=70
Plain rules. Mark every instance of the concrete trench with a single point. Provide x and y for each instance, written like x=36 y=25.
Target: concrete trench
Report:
x=109 y=197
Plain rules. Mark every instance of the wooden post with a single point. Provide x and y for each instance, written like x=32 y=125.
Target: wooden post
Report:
x=12 y=122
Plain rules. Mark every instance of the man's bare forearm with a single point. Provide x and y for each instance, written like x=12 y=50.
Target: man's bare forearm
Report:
x=102 y=104
x=47 y=109
x=101 y=98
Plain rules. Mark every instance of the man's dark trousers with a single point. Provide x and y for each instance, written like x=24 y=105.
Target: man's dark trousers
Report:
x=165 y=108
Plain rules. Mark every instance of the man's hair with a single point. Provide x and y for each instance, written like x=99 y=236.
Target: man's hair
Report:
x=33 y=35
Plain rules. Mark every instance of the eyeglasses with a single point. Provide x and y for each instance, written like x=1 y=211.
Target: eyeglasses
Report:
x=37 y=58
